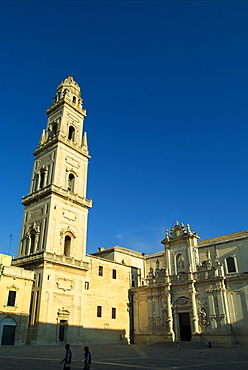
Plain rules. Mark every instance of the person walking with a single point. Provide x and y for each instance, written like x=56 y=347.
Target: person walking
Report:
x=67 y=358
x=87 y=358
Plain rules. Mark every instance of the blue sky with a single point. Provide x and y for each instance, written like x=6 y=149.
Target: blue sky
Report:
x=164 y=84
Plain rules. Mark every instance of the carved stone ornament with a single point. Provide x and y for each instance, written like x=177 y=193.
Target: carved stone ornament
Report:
x=13 y=287
x=71 y=216
x=178 y=231
x=66 y=231
x=72 y=162
x=64 y=284
x=63 y=313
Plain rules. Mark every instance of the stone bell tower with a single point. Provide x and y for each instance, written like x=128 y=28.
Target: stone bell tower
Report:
x=56 y=208
x=53 y=238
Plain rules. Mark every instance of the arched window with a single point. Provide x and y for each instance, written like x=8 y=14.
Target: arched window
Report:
x=71 y=133
x=74 y=99
x=71 y=182
x=32 y=243
x=230 y=264
x=67 y=246
x=8 y=331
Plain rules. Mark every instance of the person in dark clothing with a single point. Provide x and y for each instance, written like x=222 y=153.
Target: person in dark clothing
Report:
x=67 y=358
x=87 y=358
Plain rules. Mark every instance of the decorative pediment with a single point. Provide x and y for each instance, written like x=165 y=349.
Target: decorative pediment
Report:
x=62 y=313
x=13 y=287
x=178 y=232
x=182 y=301
x=67 y=231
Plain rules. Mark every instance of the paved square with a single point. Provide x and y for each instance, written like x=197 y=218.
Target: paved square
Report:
x=129 y=357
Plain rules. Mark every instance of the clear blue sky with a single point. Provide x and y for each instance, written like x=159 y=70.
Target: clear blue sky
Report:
x=164 y=84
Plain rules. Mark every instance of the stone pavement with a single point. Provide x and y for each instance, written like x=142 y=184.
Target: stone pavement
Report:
x=128 y=357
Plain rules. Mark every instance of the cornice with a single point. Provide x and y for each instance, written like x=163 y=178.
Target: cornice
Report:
x=66 y=142
x=56 y=190
x=62 y=103
x=42 y=258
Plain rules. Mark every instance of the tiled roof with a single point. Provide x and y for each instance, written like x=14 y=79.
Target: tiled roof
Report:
x=157 y=254
x=224 y=238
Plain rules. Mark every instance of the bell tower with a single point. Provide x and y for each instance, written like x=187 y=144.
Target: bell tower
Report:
x=56 y=208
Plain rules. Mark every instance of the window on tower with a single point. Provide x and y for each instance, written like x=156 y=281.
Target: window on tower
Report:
x=67 y=246
x=36 y=182
x=42 y=179
x=71 y=133
x=74 y=99
x=54 y=129
x=32 y=243
x=71 y=182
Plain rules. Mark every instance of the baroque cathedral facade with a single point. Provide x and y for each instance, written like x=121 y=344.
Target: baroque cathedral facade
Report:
x=54 y=292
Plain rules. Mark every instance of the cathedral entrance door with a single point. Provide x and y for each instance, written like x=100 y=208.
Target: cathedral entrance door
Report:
x=184 y=325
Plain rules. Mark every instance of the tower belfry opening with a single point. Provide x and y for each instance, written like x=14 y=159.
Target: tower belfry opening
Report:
x=67 y=246
x=71 y=134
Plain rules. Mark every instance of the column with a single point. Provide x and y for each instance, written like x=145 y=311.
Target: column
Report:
x=168 y=261
x=169 y=315
x=212 y=314
x=194 y=311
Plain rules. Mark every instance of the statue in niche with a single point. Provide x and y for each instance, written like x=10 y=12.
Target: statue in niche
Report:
x=208 y=254
x=180 y=262
x=203 y=317
x=150 y=274
x=157 y=271
x=27 y=239
x=197 y=261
